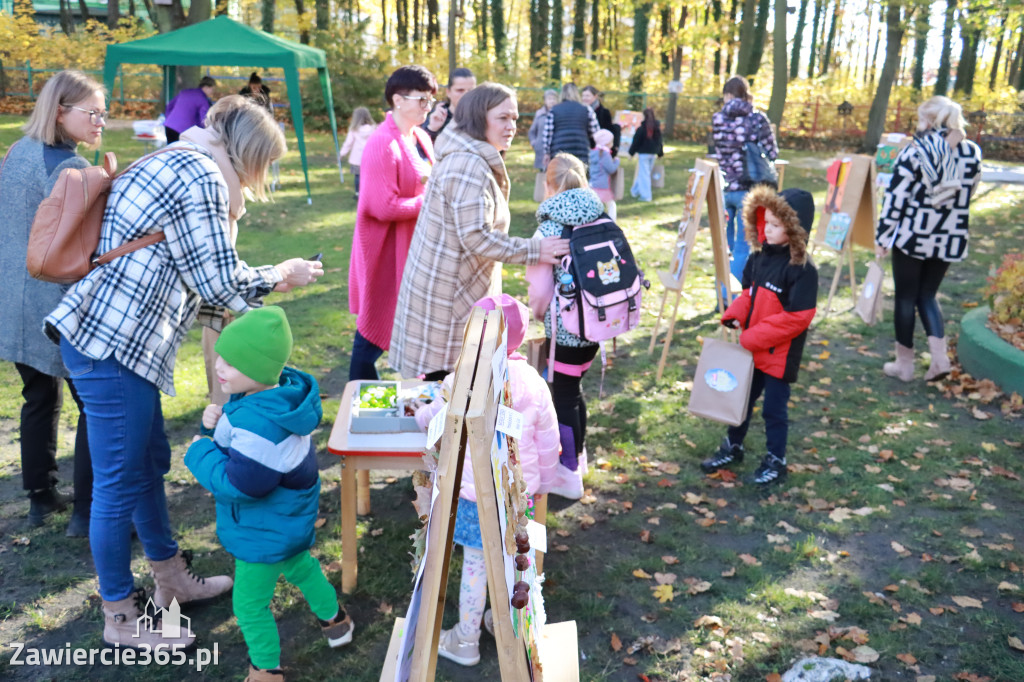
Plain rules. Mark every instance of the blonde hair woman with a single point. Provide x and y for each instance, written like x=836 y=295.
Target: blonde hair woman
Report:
x=70 y=111
x=924 y=222
x=120 y=328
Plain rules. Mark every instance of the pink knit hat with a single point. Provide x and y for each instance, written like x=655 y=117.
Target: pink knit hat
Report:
x=604 y=138
x=517 y=317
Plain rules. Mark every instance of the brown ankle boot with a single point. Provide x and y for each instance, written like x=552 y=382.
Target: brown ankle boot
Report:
x=338 y=630
x=260 y=675
x=940 y=359
x=174 y=578
x=903 y=368
x=129 y=624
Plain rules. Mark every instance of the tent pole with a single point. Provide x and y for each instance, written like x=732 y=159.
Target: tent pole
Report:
x=325 y=85
x=291 y=76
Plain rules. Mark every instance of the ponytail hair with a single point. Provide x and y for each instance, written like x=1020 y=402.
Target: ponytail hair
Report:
x=564 y=172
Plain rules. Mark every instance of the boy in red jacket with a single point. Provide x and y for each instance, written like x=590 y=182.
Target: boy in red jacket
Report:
x=780 y=291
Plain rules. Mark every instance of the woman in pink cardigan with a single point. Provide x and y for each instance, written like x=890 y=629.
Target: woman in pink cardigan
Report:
x=396 y=164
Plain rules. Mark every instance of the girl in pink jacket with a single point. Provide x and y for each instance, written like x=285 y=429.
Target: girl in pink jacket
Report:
x=538 y=453
x=359 y=130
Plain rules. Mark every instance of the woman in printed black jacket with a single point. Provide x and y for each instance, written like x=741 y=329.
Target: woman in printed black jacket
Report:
x=780 y=292
x=924 y=222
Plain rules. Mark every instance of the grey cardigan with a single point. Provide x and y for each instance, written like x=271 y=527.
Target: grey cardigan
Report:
x=25 y=301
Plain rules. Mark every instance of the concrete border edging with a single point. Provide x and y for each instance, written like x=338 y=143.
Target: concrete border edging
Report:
x=985 y=355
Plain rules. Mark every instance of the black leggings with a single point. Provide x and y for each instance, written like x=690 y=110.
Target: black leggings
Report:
x=917 y=281
x=570 y=407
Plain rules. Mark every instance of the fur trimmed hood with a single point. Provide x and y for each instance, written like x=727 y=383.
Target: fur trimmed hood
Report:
x=794 y=208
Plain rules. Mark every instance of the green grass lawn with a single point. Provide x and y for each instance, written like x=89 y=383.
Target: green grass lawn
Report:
x=897 y=529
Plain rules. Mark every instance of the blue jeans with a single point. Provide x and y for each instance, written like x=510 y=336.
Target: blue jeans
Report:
x=775 y=410
x=642 y=184
x=735 y=234
x=363 y=364
x=130 y=455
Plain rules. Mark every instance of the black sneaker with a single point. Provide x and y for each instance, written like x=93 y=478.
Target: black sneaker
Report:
x=43 y=503
x=772 y=470
x=727 y=454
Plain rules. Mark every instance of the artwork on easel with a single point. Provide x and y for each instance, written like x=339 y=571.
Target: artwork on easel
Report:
x=849 y=217
x=481 y=425
x=837 y=231
x=703 y=186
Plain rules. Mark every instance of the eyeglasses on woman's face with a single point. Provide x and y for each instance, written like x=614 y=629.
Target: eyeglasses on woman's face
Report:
x=95 y=117
x=426 y=101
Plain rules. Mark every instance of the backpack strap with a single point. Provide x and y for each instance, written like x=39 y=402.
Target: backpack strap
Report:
x=142 y=242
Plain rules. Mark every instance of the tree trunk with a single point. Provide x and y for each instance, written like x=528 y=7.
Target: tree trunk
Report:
x=801 y=24
x=893 y=43
x=716 y=8
x=746 y=37
x=67 y=23
x=999 y=50
x=579 y=28
x=300 y=9
x=595 y=27
x=1011 y=77
x=971 y=33
x=874 y=52
x=481 y=10
x=267 y=23
x=433 y=22
x=557 y=29
x=677 y=68
x=323 y=13
x=920 y=46
x=113 y=13
x=452 y=38
x=760 y=34
x=641 y=18
x=830 y=44
x=84 y=9
x=498 y=22
x=666 y=30
x=779 y=80
x=942 y=78
x=812 y=53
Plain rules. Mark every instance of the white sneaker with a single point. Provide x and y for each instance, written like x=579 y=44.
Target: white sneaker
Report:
x=454 y=648
x=566 y=483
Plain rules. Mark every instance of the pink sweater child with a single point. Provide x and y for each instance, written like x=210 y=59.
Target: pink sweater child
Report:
x=355 y=143
x=539 y=446
x=385 y=220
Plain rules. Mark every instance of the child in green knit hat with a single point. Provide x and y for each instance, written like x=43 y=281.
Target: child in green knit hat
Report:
x=261 y=467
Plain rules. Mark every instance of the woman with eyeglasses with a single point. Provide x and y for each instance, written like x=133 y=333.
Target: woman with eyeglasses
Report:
x=70 y=111
x=395 y=166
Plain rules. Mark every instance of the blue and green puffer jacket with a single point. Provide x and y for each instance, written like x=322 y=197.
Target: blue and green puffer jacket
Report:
x=261 y=468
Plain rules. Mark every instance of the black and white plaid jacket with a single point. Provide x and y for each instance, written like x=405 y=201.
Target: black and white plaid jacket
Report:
x=140 y=306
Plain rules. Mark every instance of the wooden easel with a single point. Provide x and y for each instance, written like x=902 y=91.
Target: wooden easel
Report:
x=477 y=394
x=704 y=185
x=858 y=201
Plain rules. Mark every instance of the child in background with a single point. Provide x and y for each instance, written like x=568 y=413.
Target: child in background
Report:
x=359 y=130
x=780 y=291
x=261 y=468
x=538 y=454
x=570 y=203
x=602 y=166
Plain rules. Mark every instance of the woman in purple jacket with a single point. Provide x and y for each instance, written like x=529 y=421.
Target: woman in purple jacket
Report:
x=732 y=127
x=188 y=108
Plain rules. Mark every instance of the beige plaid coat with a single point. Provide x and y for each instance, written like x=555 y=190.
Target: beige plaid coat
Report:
x=460 y=237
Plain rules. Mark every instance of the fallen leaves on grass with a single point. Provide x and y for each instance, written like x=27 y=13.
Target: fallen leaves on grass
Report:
x=709 y=622
x=664 y=593
x=616 y=643
x=749 y=560
x=967 y=602
x=909 y=659
x=695 y=586
x=642 y=574
x=665 y=578
x=899 y=549
x=861 y=654
x=669 y=559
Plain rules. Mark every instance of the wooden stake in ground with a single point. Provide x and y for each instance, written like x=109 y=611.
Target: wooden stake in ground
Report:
x=704 y=186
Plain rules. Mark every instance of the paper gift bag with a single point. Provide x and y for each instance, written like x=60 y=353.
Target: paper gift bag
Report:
x=618 y=179
x=539 y=188
x=658 y=176
x=869 y=303
x=721 y=386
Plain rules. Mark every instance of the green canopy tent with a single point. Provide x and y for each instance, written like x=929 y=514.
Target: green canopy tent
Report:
x=224 y=42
